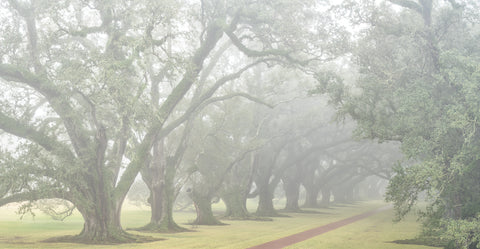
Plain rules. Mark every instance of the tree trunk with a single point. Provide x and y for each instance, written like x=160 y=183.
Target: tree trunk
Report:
x=102 y=228
x=292 y=193
x=102 y=224
x=167 y=224
x=311 y=197
x=265 y=199
x=265 y=204
x=161 y=219
x=350 y=194
x=203 y=207
x=100 y=210
x=326 y=194
x=156 y=202
x=235 y=200
x=159 y=177
x=312 y=188
x=339 y=195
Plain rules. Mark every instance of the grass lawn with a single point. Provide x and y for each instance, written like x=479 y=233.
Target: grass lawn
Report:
x=373 y=232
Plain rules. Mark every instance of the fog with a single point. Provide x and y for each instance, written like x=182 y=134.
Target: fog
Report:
x=265 y=107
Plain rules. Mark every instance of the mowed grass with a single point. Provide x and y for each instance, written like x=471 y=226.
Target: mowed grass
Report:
x=374 y=232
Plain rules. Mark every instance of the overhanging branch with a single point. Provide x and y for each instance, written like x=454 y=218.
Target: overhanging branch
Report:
x=19 y=129
x=265 y=53
x=200 y=102
x=243 y=95
x=32 y=196
x=57 y=100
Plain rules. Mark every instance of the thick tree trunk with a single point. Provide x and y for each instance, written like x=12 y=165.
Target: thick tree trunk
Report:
x=339 y=195
x=203 y=207
x=265 y=199
x=167 y=224
x=102 y=225
x=101 y=211
x=265 y=204
x=159 y=177
x=326 y=194
x=311 y=197
x=292 y=193
x=102 y=228
x=156 y=203
x=349 y=194
x=235 y=200
x=161 y=219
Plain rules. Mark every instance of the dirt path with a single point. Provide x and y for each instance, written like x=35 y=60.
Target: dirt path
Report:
x=295 y=238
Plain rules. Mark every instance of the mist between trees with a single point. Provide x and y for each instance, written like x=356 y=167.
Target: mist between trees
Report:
x=209 y=100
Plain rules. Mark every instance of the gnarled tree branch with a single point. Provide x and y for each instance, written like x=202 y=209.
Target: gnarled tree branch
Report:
x=56 y=99
x=19 y=129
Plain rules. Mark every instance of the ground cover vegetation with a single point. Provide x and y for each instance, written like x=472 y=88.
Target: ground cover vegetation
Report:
x=200 y=102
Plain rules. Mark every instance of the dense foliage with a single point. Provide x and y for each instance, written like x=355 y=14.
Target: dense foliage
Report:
x=209 y=98
x=97 y=92
x=419 y=83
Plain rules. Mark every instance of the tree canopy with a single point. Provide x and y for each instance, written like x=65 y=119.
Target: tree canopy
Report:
x=213 y=96
x=418 y=84
x=94 y=87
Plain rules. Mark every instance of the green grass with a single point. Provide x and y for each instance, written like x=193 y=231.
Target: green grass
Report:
x=374 y=232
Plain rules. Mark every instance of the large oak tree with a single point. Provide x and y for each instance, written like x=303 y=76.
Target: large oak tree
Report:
x=418 y=84
x=92 y=86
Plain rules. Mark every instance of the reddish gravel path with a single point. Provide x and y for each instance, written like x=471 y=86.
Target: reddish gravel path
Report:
x=295 y=238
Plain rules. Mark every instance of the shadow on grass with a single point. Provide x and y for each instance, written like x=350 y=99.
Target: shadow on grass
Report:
x=433 y=242
x=247 y=218
x=304 y=211
x=126 y=239
x=17 y=240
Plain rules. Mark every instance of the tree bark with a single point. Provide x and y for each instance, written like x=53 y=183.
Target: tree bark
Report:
x=265 y=198
x=102 y=227
x=339 y=195
x=167 y=224
x=292 y=193
x=102 y=223
x=101 y=211
x=160 y=180
x=326 y=194
x=311 y=197
x=235 y=201
x=203 y=207
x=265 y=203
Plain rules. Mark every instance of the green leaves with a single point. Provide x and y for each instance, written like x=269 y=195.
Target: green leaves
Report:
x=330 y=83
x=419 y=84
x=463 y=233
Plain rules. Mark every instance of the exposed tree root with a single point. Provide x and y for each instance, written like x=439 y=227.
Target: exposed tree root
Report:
x=161 y=228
